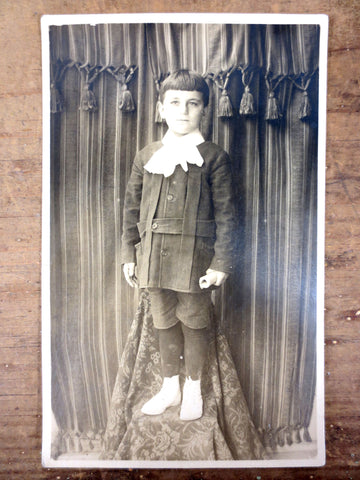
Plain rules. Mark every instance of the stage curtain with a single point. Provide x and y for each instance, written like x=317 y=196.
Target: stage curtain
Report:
x=267 y=309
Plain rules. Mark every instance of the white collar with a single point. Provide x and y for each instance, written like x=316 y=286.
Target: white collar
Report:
x=176 y=151
x=191 y=139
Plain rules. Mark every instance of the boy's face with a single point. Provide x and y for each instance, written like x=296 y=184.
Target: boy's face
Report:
x=182 y=110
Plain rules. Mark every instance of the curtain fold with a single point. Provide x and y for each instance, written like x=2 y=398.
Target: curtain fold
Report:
x=206 y=48
x=268 y=307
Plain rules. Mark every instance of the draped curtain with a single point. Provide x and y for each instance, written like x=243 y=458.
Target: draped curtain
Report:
x=263 y=111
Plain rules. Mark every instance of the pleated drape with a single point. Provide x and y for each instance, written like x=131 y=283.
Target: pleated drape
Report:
x=268 y=307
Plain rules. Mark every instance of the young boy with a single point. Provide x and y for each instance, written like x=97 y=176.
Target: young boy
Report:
x=178 y=231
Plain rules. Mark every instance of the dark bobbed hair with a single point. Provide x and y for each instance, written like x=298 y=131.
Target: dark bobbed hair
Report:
x=185 y=80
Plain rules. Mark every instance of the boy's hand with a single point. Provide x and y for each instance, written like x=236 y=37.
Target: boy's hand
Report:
x=212 y=277
x=129 y=272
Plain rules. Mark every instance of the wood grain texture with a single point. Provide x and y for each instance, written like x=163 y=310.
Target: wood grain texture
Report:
x=20 y=236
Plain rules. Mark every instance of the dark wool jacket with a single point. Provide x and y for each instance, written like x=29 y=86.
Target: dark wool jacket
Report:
x=175 y=228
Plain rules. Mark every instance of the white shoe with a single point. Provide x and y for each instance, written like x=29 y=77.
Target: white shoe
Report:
x=169 y=396
x=192 y=404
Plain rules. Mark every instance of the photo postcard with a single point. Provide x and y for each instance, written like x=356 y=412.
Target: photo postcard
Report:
x=183 y=240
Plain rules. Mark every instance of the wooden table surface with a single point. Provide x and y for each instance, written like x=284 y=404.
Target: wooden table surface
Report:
x=20 y=236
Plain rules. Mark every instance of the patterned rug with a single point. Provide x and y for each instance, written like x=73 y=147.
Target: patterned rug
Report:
x=224 y=432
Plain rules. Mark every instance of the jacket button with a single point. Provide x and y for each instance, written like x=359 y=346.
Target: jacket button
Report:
x=164 y=253
x=154 y=226
x=170 y=197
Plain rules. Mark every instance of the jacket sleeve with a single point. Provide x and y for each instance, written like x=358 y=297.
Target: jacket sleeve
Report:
x=130 y=235
x=223 y=197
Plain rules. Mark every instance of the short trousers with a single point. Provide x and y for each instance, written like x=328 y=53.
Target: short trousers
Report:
x=194 y=310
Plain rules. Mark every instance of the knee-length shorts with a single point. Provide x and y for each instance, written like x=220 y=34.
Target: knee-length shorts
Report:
x=194 y=310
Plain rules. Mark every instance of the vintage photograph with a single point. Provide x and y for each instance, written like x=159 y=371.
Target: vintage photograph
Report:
x=183 y=230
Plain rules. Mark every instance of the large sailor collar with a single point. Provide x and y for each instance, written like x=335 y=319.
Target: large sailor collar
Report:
x=176 y=151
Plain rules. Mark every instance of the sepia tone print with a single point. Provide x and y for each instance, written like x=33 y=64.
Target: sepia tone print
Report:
x=262 y=395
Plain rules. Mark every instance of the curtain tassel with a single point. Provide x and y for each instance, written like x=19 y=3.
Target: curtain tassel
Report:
x=272 y=439
x=297 y=435
x=76 y=442
x=280 y=438
x=272 y=108
x=266 y=439
x=158 y=117
x=306 y=435
x=225 y=108
x=247 y=103
x=305 y=108
x=56 y=99
x=67 y=442
x=88 y=100
x=127 y=102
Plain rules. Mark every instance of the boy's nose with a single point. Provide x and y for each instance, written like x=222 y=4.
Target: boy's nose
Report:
x=184 y=108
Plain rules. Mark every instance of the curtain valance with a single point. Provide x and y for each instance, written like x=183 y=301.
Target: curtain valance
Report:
x=206 y=48
x=103 y=45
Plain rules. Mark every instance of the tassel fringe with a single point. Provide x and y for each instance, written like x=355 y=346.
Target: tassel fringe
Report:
x=225 y=108
x=124 y=75
x=73 y=441
x=273 y=112
x=283 y=436
x=88 y=100
x=127 y=102
x=247 y=103
x=305 y=108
